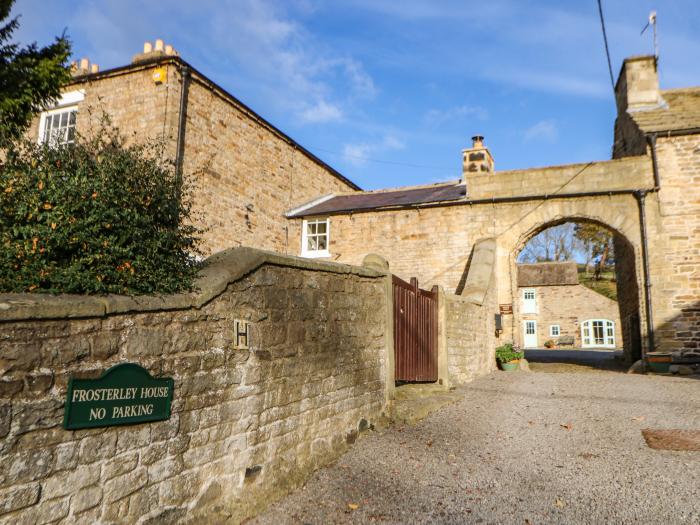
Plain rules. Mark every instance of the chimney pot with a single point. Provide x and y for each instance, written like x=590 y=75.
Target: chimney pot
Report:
x=147 y=47
x=159 y=45
x=94 y=68
x=84 y=64
x=168 y=49
x=477 y=159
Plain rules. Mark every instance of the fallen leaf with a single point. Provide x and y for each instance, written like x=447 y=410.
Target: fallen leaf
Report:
x=430 y=443
x=567 y=426
x=353 y=506
x=639 y=418
x=559 y=503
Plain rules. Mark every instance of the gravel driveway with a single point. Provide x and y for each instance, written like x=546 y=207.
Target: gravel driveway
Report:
x=520 y=448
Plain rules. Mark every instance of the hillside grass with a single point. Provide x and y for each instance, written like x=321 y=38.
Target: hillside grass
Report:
x=606 y=285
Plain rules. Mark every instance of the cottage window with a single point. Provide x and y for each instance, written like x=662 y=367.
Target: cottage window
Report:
x=554 y=330
x=598 y=333
x=315 y=238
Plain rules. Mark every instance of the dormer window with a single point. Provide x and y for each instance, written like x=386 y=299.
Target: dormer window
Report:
x=315 y=238
x=57 y=124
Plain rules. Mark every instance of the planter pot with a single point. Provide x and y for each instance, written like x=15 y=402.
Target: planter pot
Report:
x=659 y=362
x=512 y=366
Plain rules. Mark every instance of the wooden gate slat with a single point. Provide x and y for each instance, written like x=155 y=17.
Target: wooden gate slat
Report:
x=415 y=332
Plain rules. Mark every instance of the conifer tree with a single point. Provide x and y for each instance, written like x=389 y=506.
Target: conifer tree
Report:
x=30 y=77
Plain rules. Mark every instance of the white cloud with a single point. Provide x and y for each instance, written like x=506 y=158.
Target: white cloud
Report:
x=544 y=130
x=250 y=46
x=358 y=154
x=437 y=117
x=321 y=112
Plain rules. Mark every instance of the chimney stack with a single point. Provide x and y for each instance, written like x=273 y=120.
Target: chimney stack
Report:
x=157 y=49
x=637 y=86
x=477 y=159
x=83 y=67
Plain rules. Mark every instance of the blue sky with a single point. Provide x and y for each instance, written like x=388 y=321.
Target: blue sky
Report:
x=389 y=92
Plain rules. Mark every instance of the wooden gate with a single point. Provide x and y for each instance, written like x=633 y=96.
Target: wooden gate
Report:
x=415 y=332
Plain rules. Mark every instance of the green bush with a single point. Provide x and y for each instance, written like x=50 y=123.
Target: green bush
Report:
x=506 y=353
x=94 y=217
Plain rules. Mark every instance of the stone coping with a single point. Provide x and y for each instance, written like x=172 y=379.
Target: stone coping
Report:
x=218 y=272
x=480 y=271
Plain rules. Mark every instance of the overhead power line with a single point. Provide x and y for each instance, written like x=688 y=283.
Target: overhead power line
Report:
x=368 y=159
x=605 y=40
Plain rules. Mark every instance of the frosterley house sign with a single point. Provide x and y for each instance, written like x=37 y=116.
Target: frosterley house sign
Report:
x=123 y=395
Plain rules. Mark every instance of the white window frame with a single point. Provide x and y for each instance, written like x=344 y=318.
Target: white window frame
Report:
x=305 y=252
x=68 y=102
x=588 y=339
x=553 y=328
x=529 y=306
x=533 y=323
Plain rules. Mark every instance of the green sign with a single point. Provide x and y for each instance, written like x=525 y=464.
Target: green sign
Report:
x=125 y=394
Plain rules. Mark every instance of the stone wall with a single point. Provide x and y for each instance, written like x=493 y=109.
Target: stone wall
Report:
x=246 y=425
x=471 y=343
x=628 y=294
x=675 y=244
x=245 y=173
x=569 y=306
x=618 y=174
x=470 y=331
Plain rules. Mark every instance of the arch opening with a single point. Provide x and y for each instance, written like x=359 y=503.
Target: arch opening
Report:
x=576 y=294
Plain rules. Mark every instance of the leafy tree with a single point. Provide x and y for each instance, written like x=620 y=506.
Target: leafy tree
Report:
x=30 y=77
x=555 y=244
x=597 y=243
x=95 y=216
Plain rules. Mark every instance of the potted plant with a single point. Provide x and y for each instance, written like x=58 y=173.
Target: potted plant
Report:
x=550 y=344
x=508 y=357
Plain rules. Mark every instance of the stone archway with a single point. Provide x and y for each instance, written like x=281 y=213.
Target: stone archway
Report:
x=617 y=217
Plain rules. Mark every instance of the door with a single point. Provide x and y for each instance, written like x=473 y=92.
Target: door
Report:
x=530 y=328
x=415 y=332
x=529 y=305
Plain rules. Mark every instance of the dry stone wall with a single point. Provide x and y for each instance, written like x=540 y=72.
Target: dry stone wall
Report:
x=246 y=425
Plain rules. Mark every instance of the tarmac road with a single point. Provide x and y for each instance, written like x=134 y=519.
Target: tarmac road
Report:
x=525 y=448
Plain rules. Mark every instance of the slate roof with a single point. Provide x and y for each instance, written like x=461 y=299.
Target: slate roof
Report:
x=547 y=274
x=369 y=200
x=682 y=111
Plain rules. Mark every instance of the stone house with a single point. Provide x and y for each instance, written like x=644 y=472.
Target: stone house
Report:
x=247 y=172
x=555 y=307
x=257 y=187
x=647 y=196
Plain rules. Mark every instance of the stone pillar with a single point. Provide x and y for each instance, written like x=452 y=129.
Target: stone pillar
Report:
x=379 y=263
x=443 y=368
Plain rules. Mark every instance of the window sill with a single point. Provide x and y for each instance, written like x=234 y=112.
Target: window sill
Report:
x=316 y=255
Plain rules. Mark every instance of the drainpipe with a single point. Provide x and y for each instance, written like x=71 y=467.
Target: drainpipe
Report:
x=651 y=140
x=181 y=124
x=640 y=195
